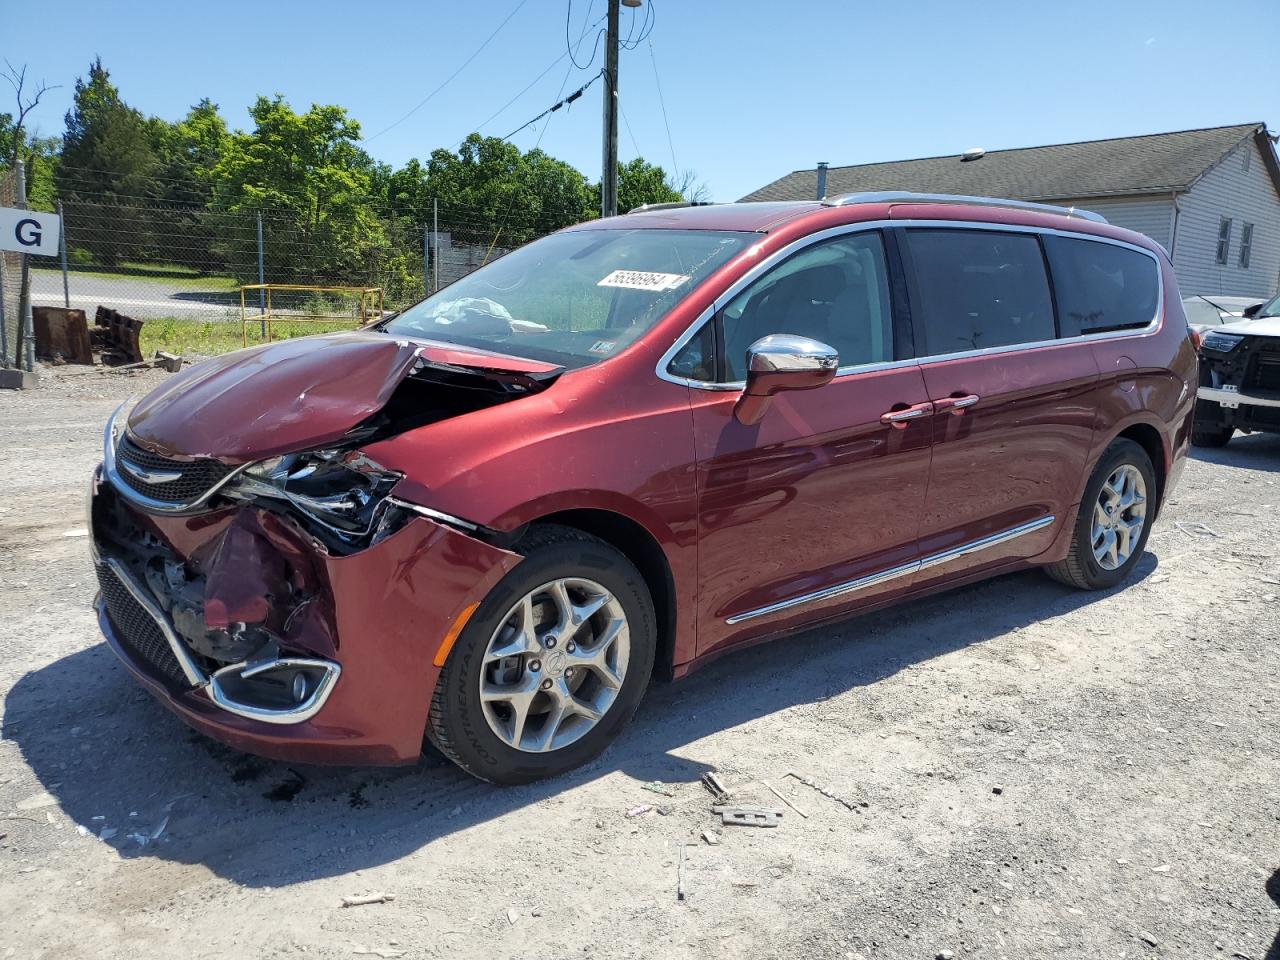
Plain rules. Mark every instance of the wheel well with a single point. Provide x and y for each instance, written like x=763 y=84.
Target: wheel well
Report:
x=1148 y=437
x=638 y=546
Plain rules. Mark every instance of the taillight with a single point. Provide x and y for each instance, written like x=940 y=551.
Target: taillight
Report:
x=1195 y=337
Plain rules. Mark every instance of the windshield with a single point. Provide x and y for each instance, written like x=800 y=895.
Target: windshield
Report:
x=1270 y=309
x=572 y=298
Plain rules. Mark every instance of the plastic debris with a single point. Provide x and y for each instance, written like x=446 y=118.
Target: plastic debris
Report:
x=640 y=810
x=657 y=786
x=364 y=899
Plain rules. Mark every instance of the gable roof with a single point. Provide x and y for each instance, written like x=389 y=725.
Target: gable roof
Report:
x=1124 y=166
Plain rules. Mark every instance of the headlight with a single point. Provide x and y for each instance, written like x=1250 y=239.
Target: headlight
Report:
x=1221 y=342
x=340 y=490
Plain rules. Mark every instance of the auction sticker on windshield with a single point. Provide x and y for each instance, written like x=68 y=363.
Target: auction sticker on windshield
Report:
x=641 y=280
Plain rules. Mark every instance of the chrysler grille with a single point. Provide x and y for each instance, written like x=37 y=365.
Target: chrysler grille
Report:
x=161 y=478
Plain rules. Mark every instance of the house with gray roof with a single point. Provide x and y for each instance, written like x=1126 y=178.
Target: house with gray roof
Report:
x=1211 y=197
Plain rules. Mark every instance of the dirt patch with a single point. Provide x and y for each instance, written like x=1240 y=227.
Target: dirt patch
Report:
x=1031 y=772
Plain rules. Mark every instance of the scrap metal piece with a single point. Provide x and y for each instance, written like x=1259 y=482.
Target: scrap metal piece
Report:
x=680 y=875
x=748 y=816
x=774 y=791
x=712 y=783
x=848 y=804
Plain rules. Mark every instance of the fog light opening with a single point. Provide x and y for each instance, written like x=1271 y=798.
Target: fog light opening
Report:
x=285 y=690
x=299 y=687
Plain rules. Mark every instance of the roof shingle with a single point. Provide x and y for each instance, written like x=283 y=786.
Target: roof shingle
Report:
x=1158 y=163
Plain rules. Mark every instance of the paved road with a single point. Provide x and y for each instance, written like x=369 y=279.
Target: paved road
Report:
x=142 y=299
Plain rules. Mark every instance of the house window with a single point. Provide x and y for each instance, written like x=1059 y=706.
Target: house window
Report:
x=1246 y=245
x=1224 y=240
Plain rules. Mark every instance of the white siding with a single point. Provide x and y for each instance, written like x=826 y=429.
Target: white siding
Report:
x=1149 y=215
x=1246 y=196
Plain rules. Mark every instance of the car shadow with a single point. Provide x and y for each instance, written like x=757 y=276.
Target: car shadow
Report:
x=121 y=766
x=1273 y=891
x=1255 y=451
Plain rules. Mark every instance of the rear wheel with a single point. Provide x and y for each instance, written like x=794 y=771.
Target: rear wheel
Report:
x=1114 y=521
x=551 y=666
x=1211 y=436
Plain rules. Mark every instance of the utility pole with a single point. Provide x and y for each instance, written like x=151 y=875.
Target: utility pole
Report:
x=609 y=173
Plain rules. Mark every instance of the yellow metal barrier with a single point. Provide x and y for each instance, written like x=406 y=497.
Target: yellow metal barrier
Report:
x=368 y=307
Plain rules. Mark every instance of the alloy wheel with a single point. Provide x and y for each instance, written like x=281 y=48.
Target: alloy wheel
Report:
x=554 y=666
x=1119 y=516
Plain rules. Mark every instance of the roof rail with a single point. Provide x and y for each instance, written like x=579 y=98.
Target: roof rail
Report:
x=902 y=196
x=673 y=205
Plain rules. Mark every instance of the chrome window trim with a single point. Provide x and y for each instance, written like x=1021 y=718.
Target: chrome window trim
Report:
x=893 y=573
x=1152 y=327
x=112 y=473
x=195 y=676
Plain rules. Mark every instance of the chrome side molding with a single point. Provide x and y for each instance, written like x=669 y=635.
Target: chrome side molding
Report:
x=893 y=573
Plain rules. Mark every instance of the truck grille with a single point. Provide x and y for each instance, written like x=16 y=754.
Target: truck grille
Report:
x=137 y=631
x=1265 y=371
x=172 y=481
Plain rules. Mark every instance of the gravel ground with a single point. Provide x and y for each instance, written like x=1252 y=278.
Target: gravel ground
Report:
x=1033 y=772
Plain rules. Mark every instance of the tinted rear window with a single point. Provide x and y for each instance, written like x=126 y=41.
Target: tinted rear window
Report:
x=1100 y=286
x=976 y=289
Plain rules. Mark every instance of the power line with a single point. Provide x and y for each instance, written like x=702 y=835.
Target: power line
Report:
x=572 y=48
x=556 y=106
x=451 y=76
x=675 y=172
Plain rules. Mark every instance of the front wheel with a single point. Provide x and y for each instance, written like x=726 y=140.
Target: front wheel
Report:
x=1114 y=520
x=552 y=664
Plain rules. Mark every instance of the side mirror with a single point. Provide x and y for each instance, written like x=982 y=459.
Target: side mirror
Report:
x=783 y=361
x=1250 y=312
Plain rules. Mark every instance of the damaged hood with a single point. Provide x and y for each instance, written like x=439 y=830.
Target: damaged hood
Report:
x=1257 y=327
x=299 y=394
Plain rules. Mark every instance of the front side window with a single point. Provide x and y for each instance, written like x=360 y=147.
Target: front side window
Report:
x=572 y=298
x=1101 y=286
x=1246 y=245
x=1224 y=240
x=976 y=289
x=836 y=292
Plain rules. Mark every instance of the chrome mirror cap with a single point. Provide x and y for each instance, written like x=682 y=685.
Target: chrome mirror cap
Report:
x=789 y=353
x=783 y=361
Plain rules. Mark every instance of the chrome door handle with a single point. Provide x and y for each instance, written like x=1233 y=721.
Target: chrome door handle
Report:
x=956 y=405
x=900 y=418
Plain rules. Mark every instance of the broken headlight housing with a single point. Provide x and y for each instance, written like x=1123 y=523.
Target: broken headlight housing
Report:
x=342 y=491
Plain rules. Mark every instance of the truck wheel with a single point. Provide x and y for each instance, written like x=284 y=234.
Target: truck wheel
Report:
x=1211 y=436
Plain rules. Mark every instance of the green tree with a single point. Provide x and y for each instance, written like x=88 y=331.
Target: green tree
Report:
x=641 y=182
x=107 y=168
x=310 y=180
x=188 y=152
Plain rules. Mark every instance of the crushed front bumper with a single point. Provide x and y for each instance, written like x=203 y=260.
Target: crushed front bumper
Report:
x=392 y=604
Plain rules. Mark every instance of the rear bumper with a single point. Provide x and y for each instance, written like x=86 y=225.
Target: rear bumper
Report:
x=392 y=604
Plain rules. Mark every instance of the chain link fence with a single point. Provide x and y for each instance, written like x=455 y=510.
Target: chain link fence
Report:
x=180 y=268
x=10 y=281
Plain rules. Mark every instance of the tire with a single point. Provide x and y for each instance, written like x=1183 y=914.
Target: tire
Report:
x=1080 y=568
x=1211 y=436
x=458 y=724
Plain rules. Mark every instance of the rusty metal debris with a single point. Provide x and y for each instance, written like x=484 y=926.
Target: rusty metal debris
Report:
x=114 y=333
x=713 y=784
x=849 y=804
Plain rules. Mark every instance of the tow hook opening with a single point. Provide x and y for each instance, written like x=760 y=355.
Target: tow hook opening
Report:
x=281 y=690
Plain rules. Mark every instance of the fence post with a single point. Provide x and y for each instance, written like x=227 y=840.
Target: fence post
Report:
x=426 y=261
x=62 y=250
x=262 y=278
x=435 y=221
x=26 y=331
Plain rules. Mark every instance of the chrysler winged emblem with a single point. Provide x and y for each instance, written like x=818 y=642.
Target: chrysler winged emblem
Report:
x=149 y=476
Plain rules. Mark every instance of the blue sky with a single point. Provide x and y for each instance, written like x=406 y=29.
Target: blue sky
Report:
x=753 y=89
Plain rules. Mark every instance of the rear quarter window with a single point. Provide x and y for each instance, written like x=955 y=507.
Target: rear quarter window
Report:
x=1101 y=287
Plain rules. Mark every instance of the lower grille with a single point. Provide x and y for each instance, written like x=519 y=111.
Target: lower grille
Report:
x=1265 y=374
x=137 y=631
x=174 y=481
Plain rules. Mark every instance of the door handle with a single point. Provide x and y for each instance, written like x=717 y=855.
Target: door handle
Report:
x=900 y=418
x=956 y=405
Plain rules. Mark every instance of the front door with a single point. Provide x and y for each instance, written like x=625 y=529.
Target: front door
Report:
x=1014 y=407
x=813 y=510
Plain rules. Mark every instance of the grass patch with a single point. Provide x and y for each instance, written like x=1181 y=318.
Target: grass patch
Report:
x=206 y=337
x=174 y=278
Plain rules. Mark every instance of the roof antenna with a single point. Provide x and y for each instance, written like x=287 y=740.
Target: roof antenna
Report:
x=973 y=153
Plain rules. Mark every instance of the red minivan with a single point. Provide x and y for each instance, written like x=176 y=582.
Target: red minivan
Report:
x=627 y=448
